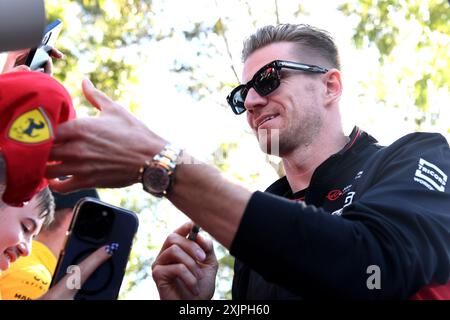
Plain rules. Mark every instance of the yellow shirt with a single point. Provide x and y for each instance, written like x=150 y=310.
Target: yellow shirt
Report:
x=29 y=277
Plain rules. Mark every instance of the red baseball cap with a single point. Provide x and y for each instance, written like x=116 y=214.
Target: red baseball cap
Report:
x=32 y=104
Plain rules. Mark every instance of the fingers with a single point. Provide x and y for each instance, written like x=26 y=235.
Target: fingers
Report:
x=63 y=291
x=55 y=53
x=167 y=275
x=208 y=247
x=19 y=57
x=71 y=184
x=48 y=67
x=184 y=229
x=205 y=244
x=180 y=257
x=184 y=268
x=71 y=130
x=178 y=237
x=93 y=261
x=53 y=171
x=177 y=249
x=15 y=58
x=177 y=262
x=95 y=97
x=176 y=255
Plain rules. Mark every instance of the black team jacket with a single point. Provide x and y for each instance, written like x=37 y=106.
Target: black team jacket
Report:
x=374 y=223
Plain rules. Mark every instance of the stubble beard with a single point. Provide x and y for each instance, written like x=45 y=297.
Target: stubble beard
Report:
x=299 y=134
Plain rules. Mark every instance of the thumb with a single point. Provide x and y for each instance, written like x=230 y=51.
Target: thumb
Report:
x=62 y=291
x=95 y=97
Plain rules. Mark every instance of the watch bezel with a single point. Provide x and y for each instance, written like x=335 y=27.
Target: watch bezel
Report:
x=149 y=180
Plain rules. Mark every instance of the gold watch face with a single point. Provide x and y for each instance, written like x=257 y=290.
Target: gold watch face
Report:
x=155 y=179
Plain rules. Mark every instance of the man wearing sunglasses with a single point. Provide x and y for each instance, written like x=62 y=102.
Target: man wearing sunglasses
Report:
x=350 y=220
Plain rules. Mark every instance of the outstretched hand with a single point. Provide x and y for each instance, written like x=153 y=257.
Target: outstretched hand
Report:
x=105 y=151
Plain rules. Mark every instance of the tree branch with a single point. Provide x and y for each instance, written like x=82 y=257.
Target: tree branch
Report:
x=277 y=14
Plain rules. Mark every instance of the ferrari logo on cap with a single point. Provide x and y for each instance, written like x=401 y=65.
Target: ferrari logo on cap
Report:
x=31 y=127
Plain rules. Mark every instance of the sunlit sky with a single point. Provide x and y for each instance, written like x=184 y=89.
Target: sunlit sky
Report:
x=200 y=126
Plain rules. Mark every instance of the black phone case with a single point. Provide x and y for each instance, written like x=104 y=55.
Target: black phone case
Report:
x=105 y=282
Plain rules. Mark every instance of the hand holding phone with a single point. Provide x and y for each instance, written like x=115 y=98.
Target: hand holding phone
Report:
x=96 y=224
x=38 y=57
x=61 y=291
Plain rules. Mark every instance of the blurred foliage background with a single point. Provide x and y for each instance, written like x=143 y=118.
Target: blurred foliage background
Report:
x=405 y=42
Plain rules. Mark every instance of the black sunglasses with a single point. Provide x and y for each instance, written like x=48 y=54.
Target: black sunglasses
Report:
x=265 y=81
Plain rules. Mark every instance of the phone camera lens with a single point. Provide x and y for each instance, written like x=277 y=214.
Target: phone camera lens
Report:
x=94 y=223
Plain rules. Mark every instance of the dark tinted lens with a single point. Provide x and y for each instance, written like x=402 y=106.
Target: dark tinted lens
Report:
x=267 y=81
x=236 y=99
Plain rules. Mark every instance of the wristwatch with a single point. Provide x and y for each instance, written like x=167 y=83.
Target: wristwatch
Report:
x=158 y=174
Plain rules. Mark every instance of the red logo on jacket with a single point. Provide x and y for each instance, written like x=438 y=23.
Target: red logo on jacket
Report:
x=334 y=194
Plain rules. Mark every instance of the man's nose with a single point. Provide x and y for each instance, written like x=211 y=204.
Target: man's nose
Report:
x=254 y=100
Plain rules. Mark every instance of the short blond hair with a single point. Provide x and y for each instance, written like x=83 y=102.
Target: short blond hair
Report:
x=307 y=38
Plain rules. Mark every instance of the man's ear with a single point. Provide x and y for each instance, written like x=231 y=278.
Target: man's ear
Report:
x=333 y=85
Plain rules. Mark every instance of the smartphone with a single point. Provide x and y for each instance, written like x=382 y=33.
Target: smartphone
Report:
x=38 y=57
x=95 y=224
